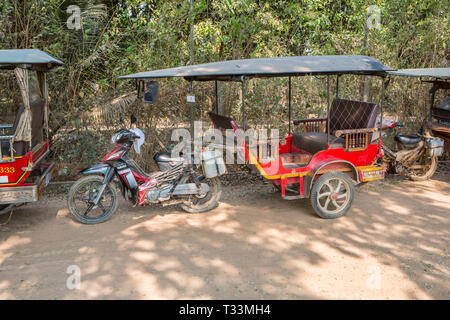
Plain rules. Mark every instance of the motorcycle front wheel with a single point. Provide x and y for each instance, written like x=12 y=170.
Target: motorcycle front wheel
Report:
x=81 y=196
x=203 y=202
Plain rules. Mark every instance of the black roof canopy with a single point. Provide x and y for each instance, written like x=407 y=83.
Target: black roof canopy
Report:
x=437 y=73
x=234 y=70
x=35 y=57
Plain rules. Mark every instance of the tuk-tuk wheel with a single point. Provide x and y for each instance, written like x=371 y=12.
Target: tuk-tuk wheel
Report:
x=332 y=195
x=5 y=208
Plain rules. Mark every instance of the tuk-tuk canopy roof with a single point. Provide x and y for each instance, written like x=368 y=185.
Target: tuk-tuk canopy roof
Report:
x=438 y=73
x=38 y=58
x=270 y=67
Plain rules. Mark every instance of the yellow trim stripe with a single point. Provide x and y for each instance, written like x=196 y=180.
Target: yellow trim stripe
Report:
x=253 y=160
x=278 y=176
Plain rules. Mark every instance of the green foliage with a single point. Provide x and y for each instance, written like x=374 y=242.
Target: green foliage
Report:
x=118 y=37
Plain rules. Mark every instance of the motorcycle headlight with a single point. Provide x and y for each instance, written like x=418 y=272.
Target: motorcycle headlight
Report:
x=115 y=137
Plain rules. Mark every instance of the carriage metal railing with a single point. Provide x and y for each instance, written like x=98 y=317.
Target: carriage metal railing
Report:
x=356 y=139
x=312 y=125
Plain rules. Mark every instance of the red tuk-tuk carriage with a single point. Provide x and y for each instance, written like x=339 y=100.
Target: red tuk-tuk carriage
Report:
x=325 y=157
x=438 y=121
x=24 y=142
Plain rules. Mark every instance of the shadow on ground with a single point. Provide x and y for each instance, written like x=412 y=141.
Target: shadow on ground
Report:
x=393 y=244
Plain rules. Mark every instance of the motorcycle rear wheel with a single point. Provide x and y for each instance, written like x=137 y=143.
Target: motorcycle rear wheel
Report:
x=203 y=203
x=430 y=166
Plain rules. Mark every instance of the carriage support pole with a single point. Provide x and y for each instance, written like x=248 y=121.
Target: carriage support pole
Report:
x=191 y=109
x=432 y=97
x=216 y=93
x=337 y=86
x=243 y=102
x=328 y=112
x=289 y=98
x=384 y=85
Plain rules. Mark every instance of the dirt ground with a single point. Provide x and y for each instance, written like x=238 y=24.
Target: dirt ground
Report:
x=393 y=244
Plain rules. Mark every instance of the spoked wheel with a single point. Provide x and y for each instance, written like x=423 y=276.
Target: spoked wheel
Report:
x=423 y=168
x=81 y=200
x=332 y=195
x=205 y=201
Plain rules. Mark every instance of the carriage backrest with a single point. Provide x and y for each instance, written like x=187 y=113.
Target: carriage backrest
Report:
x=350 y=114
x=223 y=123
x=220 y=122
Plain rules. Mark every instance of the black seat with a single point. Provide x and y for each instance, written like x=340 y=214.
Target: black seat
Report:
x=407 y=138
x=314 y=142
x=166 y=157
x=165 y=161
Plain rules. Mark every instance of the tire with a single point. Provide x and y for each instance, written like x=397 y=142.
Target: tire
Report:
x=73 y=196
x=334 y=180
x=212 y=197
x=5 y=208
x=426 y=175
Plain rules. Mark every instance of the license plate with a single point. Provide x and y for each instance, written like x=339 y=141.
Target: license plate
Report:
x=369 y=174
x=3 y=179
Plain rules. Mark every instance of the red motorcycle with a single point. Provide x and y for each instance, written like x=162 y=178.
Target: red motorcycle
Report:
x=195 y=187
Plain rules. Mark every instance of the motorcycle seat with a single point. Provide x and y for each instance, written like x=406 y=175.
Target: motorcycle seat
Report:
x=407 y=138
x=166 y=157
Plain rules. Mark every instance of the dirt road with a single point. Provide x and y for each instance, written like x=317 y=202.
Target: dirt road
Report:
x=393 y=244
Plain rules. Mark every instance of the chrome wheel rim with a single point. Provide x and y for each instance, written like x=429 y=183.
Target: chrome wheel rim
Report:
x=333 y=196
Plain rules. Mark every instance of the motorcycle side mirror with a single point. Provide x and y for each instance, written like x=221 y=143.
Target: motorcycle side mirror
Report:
x=133 y=119
x=150 y=91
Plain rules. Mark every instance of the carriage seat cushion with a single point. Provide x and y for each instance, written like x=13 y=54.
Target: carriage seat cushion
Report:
x=314 y=142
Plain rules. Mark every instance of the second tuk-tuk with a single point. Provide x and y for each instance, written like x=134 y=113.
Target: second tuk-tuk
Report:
x=438 y=121
x=24 y=140
x=324 y=158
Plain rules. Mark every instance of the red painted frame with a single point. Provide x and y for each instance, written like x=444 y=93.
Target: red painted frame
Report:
x=336 y=159
x=19 y=169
